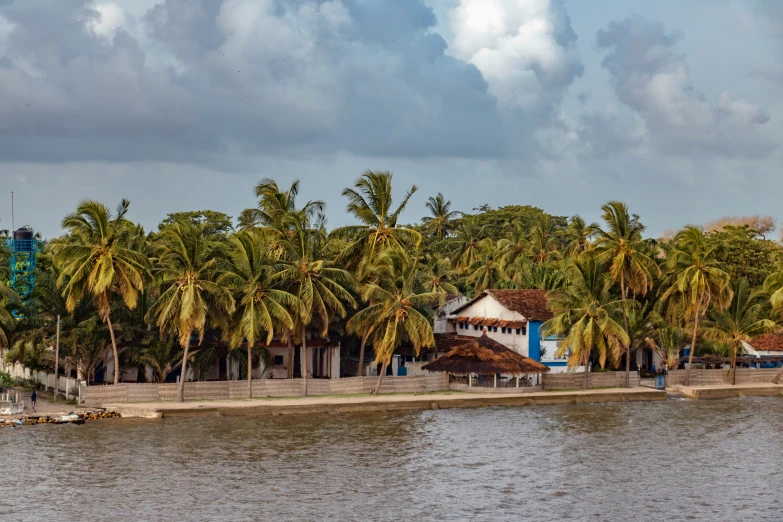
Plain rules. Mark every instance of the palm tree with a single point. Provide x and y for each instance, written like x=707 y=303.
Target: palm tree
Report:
x=579 y=234
x=442 y=221
x=96 y=261
x=436 y=275
x=584 y=315
x=7 y=323
x=320 y=288
x=543 y=240
x=274 y=205
x=622 y=247
x=161 y=357
x=740 y=322
x=394 y=310
x=467 y=243
x=262 y=307
x=487 y=271
x=188 y=291
x=370 y=201
x=695 y=281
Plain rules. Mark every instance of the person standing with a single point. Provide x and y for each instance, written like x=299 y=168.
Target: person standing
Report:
x=33 y=398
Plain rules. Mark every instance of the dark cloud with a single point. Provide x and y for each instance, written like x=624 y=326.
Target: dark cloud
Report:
x=652 y=78
x=284 y=77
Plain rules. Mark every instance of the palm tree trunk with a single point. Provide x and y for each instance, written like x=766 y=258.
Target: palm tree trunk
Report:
x=625 y=324
x=249 y=371
x=361 y=353
x=693 y=348
x=181 y=391
x=734 y=367
x=114 y=349
x=380 y=378
x=587 y=368
x=304 y=363
x=290 y=355
x=776 y=378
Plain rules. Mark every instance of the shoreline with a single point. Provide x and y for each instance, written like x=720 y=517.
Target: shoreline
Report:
x=727 y=391
x=382 y=403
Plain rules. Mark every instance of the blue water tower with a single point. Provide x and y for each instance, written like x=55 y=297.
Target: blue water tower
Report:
x=23 y=258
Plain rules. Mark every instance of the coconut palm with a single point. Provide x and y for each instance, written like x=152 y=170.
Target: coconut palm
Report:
x=7 y=324
x=623 y=249
x=262 y=307
x=695 y=281
x=441 y=223
x=161 y=357
x=187 y=272
x=321 y=289
x=487 y=271
x=584 y=315
x=394 y=310
x=370 y=201
x=436 y=274
x=740 y=322
x=96 y=261
x=579 y=235
x=466 y=242
x=544 y=243
x=274 y=204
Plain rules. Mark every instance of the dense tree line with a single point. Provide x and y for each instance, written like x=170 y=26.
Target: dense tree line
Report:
x=201 y=286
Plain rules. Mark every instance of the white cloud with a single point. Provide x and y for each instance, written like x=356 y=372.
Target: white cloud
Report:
x=524 y=48
x=110 y=18
x=653 y=80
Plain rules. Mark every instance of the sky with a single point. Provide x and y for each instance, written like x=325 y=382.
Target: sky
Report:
x=672 y=106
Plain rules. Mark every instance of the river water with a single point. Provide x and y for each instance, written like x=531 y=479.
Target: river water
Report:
x=673 y=460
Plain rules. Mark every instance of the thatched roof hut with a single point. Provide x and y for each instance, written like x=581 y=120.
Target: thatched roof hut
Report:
x=484 y=356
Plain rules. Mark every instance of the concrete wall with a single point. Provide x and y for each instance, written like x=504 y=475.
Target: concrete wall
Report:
x=99 y=395
x=67 y=386
x=575 y=381
x=721 y=376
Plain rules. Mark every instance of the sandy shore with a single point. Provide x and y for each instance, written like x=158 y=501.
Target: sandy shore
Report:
x=392 y=402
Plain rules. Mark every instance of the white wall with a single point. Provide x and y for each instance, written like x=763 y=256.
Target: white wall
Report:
x=491 y=308
x=441 y=323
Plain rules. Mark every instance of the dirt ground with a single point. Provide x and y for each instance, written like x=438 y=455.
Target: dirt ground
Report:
x=44 y=406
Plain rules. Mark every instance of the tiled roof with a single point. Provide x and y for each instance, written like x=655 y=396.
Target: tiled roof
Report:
x=530 y=303
x=768 y=343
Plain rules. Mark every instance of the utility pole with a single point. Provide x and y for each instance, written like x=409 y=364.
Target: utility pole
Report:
x=13 y=220
x=57 y=358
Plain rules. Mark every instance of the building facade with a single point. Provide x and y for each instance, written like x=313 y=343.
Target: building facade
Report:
x=511 y=317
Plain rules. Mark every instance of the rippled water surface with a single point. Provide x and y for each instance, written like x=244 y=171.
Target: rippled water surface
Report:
x=674 y=460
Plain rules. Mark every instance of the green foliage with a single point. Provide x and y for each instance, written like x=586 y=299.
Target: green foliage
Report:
x=212 y=222
x=743 y=254
x=6 y=381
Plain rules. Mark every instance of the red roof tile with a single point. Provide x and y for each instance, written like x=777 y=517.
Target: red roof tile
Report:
x=530 y=303
x=768 y=343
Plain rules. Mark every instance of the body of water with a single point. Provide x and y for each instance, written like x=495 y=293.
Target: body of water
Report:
x=673 y=460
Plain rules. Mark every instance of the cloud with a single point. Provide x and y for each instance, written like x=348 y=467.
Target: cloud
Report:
x=286 y=77
x=110 y=17
x=525 y=49
x=652 y=79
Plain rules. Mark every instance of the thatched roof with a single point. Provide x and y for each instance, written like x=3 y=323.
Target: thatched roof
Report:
x=484 y=356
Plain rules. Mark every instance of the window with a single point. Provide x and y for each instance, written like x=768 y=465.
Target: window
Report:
x=475 y=327
x=503 y=330
x=494 y=328
x=277 y=361
x=519 y=331
x=461 y=326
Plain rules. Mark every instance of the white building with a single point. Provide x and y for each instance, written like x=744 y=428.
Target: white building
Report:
x=513 y=318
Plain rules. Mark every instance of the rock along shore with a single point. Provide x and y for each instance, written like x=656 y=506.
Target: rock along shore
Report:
x=76 y=417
